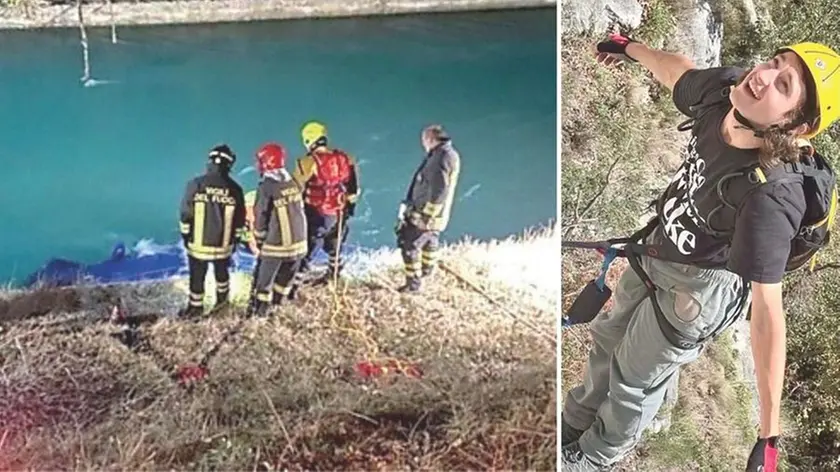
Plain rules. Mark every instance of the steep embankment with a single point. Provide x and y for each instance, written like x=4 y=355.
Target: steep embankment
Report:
x=620 y=147
x=287 y=392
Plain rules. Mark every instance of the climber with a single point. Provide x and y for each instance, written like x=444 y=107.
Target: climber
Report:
x=704 y=281
x=329 y=178
x=279 y=230
x=424 y=213
x=212 y=220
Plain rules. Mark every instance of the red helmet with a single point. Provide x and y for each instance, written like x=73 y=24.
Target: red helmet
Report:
x=270 y=156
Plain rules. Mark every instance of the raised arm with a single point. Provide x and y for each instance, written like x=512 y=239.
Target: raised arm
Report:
x=666 y=67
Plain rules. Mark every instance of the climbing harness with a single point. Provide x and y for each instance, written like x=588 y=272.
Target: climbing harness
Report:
x=596 y=293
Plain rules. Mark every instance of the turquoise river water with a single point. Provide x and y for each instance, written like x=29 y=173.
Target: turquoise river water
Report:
x=86 y=167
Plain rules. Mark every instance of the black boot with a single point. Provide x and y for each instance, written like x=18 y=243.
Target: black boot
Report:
x=412 y=284
x=293 y=292
x=222 y=302
x=191 y=311
x=322 y=280
x=328 y=277
x=257 y=309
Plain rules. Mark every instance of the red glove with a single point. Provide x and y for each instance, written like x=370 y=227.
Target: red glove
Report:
x=764 y=455
x=616 y=45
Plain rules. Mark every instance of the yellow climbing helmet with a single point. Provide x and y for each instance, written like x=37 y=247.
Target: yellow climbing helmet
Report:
x=312 y=132
x=824 y=65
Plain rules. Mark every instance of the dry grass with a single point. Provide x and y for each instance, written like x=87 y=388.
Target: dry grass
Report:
x=283 y=394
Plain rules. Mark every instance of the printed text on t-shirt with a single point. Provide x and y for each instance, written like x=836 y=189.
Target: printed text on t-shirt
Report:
x=688 y=179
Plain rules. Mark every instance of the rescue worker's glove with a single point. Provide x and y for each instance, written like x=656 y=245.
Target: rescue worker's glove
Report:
x=615 y=45
x=419 y=220
x=400 y=218
x=244 y=238
x=764 y=455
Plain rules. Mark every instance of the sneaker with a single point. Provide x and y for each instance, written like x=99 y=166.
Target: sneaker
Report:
x=568 y=434
x=572 y=459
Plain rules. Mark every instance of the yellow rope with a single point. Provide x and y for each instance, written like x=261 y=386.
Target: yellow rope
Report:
x=352 y=326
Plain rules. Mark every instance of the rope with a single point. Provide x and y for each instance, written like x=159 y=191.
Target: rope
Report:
x=609 y=257
x=351 y=326
x=505 y=309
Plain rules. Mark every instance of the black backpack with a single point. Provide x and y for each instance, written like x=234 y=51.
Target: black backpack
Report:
x=818 y=180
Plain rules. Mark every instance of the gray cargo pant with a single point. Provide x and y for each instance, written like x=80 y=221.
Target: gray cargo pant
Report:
x=631 y=363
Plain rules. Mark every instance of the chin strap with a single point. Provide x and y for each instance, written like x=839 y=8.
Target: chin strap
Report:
x=761 y=133
x=747 y=124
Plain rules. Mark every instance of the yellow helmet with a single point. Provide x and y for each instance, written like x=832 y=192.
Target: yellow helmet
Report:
x=312 y=132
x=823 y=64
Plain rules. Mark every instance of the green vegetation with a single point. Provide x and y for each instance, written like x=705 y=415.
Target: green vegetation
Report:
x=658 y=23
x=744 y=42
x=284 y=394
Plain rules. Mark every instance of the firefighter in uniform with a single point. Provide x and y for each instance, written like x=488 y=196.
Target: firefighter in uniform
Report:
x=212 y=220
x=424 y=214
x=279 y=230
x=329 y=178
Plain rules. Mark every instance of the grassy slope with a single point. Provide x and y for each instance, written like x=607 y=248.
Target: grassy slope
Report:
x=621 y=116
x=283 y=394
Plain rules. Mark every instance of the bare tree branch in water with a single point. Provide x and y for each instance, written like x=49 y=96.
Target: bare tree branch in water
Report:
x=85 y=52
x=113 y=22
